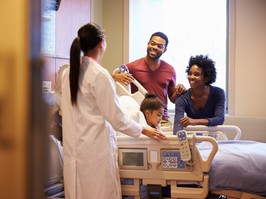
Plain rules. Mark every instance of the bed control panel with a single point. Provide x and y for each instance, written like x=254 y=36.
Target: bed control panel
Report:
x=171 y=160
x=184 y=146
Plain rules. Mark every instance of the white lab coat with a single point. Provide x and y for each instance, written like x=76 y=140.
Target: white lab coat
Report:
x=89 y=134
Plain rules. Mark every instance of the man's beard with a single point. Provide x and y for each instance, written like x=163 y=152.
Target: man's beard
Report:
x=157 y=56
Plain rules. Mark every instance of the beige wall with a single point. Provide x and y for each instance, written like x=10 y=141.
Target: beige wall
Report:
x=247 y=91
x=250 y=52
x=96 y=11
x=113 y=23
x=14 y=111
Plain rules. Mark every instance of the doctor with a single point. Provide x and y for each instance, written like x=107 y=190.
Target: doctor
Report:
x=91 y=116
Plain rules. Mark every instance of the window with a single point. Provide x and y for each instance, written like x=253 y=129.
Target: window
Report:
x=193 y=27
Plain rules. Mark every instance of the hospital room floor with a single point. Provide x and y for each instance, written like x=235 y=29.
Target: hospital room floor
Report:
x=214 y=196
x=210 y=196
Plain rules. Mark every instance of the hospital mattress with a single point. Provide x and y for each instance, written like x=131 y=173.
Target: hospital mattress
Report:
x=238 y=165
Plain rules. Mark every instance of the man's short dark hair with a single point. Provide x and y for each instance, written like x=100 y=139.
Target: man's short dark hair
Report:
x=162 y=35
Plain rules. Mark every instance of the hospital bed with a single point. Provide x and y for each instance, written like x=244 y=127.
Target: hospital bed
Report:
x=233 y=168
x=54 y=182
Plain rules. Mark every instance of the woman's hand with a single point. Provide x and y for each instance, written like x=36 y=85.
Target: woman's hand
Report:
x=153 y=133
x=123 y=78
x=185 y=121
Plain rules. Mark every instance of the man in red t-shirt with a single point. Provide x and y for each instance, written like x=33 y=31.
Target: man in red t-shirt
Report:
x=154 y=74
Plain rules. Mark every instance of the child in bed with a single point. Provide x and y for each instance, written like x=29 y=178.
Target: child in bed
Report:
x=153 y=110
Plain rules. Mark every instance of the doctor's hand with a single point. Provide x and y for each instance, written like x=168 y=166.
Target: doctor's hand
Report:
x=123 y=78
x=153 y=133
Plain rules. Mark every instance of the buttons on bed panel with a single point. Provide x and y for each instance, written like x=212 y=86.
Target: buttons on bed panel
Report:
x=171 y=160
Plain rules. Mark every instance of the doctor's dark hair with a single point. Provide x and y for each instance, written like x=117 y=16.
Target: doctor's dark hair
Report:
x=151 y=103
x=89 y=36
x=162 y=35
x=206 y=64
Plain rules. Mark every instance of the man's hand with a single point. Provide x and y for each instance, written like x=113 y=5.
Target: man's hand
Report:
x=180 y=89
x=123 y=78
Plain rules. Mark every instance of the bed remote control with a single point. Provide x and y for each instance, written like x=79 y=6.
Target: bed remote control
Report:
x=184 y=146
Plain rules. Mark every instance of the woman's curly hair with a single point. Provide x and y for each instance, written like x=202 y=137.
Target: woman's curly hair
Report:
x=206 y=64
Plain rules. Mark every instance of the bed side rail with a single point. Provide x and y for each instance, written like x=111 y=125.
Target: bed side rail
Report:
x=206 y=164
x=220 y=129
x=125 y=90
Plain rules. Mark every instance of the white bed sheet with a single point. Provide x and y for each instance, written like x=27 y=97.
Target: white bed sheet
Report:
x=238 y=165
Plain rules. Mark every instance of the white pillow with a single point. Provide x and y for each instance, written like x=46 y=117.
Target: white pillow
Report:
x=131 y=108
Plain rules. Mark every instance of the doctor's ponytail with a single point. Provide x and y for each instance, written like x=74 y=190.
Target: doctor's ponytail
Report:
x=89 y=36
x=74 y=69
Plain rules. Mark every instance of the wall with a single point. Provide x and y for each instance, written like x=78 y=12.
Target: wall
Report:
x=246 y=53
x=96 y=11
x=113 y=24
x=252 y=128
x=250 y=51
x=14 y=98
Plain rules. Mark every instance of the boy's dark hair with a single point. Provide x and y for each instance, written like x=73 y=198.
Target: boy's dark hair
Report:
x=151 y=102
